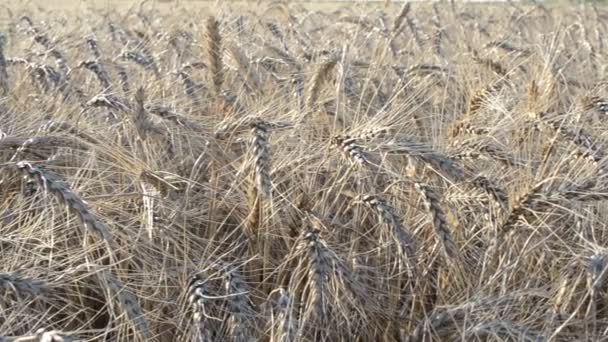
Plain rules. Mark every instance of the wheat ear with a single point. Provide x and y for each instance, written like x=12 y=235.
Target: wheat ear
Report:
x=19 y=283
x=4 y=81
x=260 y=148
x=198 y=294
x=316 y=83
x=405 y=9
x=442 y=230
x=102 y=75
x=128 y=303
x=286 y=320
x=214 y=50
x=51 y=183
x=496 y=194
x=353 y=151
x=521 y=205
x=142 y=123
x=597 y=271
x=239 y=306
x=386 y=215
x=42 y=335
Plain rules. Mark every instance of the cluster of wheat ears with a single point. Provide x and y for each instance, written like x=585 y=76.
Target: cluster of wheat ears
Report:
x=424 y=172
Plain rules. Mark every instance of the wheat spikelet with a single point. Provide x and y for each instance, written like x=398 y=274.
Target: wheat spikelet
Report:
x=420 y=36
x=323 y=283
x=436 y=42
x=373 y=134
x=260 y=187
x=215 y=53
x=61 y=63
x=44 y=76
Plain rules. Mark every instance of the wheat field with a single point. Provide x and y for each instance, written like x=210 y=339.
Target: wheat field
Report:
x=379 y=172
